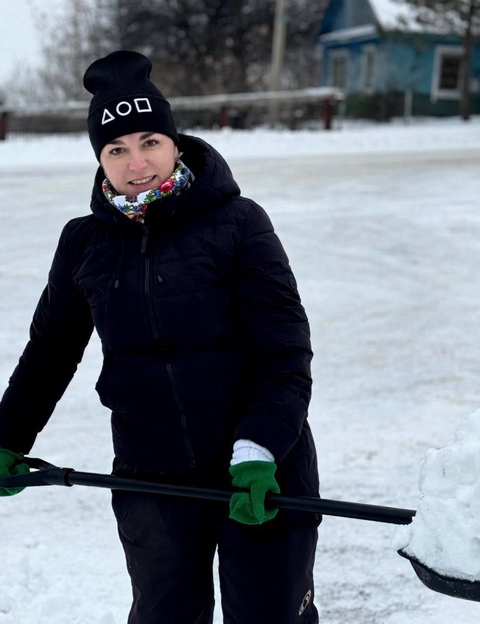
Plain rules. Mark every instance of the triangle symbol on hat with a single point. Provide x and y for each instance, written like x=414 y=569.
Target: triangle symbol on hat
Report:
x=107 y=116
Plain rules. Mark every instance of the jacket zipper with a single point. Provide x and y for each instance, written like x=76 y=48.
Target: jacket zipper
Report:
x=183 y=417
x=168 y=364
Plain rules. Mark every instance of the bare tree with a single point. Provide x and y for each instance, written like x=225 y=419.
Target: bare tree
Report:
x=201 y=46
x=303 y=23
x=75 y=38
x=72 y=36
x=197 y=46
x=222 y=45
x=461 y=17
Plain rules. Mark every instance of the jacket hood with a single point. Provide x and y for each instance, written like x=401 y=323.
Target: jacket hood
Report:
x=214 y=185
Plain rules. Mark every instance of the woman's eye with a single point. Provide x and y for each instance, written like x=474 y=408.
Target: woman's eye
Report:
x=116 y=151
x=151 y=143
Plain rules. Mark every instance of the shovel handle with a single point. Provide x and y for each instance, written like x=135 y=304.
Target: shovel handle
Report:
x=48 y=474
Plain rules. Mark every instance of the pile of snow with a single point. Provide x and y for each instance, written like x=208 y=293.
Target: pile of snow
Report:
x=445 y=533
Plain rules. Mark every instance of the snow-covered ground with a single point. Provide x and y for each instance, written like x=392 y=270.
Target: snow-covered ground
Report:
x=382 y=227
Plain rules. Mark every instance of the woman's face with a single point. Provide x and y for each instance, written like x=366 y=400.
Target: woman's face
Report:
x=138 y=162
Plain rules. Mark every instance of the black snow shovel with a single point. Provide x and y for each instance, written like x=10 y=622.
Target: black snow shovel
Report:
x=48 y=474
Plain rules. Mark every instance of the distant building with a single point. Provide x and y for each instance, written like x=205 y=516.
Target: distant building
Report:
x=388 y=65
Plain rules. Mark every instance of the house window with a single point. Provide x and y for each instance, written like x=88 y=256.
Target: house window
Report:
x=339 y=69
x=369 y=67
x=447 y=73
x=450 y=73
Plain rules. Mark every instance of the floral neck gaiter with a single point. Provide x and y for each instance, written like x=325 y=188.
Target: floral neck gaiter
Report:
x=134 y=206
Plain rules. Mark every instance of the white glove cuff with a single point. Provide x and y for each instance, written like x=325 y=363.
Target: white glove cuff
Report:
x=247 y=450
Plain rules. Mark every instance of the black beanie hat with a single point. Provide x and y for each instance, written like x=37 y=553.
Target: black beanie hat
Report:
x=125 y=100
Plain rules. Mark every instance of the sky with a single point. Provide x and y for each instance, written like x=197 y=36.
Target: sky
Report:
x=20 y=39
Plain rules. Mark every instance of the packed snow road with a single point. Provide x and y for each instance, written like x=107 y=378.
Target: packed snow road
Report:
x=382 y=229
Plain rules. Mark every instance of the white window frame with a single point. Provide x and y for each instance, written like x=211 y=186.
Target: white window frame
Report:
x=436 y=92
x=369 y=51
x=339 y=55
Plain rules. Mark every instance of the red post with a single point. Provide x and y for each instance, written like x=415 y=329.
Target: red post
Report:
x=3 y=125
x=327 y=114
x=224 y=121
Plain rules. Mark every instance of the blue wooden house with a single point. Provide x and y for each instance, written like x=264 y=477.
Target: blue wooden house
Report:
x=389 y=65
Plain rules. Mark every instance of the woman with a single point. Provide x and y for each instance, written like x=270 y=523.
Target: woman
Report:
x=206 y=364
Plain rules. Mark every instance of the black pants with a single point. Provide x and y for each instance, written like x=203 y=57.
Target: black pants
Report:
x=266 y=572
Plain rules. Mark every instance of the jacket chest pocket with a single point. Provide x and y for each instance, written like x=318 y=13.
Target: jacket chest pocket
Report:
x=192 y=274
x=193 y=299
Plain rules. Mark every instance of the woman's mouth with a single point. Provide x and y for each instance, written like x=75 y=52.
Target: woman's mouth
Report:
x=142 y=181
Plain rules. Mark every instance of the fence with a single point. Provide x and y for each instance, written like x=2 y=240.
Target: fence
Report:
x=238 y=110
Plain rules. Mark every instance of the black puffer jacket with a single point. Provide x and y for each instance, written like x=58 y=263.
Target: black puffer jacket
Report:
x=204 y=337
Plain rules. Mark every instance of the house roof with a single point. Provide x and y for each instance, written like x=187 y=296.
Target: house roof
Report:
x=392 y=14
x=385 y=15
x=398 y=15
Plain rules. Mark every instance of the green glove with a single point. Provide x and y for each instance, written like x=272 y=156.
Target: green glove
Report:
x=11 y=464
x=259 y=478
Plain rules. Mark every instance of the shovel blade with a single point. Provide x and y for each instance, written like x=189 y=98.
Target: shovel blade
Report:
x=448 y=585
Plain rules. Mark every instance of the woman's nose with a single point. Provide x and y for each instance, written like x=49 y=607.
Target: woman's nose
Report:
x=137 y=162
